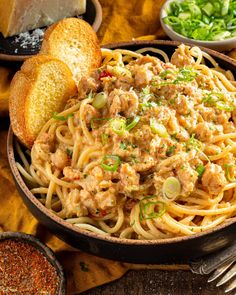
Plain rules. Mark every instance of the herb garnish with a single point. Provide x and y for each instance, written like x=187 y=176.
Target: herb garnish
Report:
x=148 y=208
x=61 y=118
x=69 y=152
x=200 y=170
x=170 y=151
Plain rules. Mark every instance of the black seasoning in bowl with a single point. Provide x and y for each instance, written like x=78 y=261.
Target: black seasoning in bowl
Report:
x=28 y=267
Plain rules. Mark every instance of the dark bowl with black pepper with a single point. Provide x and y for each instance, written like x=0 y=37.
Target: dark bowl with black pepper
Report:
x=170 y=250
x=27 y=266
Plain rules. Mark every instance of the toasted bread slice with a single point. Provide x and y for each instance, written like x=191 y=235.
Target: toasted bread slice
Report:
x=73 y=41
x=41 y=87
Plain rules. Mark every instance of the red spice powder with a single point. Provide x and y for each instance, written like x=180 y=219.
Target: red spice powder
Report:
x=25 y=270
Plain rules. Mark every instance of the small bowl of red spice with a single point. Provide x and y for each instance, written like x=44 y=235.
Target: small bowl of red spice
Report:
x=27 y=266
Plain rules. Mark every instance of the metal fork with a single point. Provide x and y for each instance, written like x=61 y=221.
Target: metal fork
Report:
x=222 y=262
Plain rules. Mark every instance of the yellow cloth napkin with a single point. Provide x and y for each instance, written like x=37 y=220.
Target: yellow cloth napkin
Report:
x=122 y=21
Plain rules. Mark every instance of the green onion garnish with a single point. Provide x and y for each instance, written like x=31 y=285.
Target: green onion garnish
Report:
x=212 y=98
x=200 y=170
x=227 y=172
x=217 y=100
x=224 y=107
x=110 y=162
x=99 y=100
x=193 y=142
x=118 y=126
x=61 y=118
x=171 y=188
x=158 y=128
x=151 y=209
x=123 y=146
x=104 y=138
x=133 y=123
x=170 y=151
x=164 y=74
x=69 y=152
x=202 y=19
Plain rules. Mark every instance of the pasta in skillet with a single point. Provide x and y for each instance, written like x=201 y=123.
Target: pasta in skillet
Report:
x=146 y=151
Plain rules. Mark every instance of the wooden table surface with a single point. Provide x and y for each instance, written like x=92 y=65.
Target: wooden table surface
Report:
x=159 y=282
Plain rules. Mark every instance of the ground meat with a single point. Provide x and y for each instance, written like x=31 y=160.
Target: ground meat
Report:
x=203 y=132
x=60 y=159
x=73 y=206
x=90 y=112
x=228 y=159
x=71 y=174
x=142 y=76
x=182 y=57
x=42 y=148
x=106 y=200
x=188 y=178
x=213 y=178
x=129 y=178
x=212 y=149
x=181 y=104
x=146 y=163
x=207 y=113
x=87 y=201
x=125 y=102
x=88 y=84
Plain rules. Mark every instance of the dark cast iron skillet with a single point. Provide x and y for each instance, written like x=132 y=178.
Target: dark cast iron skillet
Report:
x=180 y=249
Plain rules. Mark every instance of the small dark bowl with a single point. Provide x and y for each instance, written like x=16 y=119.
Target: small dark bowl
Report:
x=46 y=251
x=11 y=50
x=180 y=249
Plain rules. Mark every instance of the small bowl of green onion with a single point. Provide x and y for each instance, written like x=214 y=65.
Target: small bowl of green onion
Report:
x=208 y=23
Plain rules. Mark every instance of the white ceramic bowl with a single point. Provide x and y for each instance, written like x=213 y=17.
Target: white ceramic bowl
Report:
x=223 y=45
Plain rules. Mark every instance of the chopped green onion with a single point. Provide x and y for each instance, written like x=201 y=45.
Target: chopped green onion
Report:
x=225 y=7
x=118 y=126
x=133 y=123
x=186 y=74
x=158 y=128
x=164 y=74
x=110 y=162
x=119 y=71
x=193 y=142
x=69 y=152
x=202 y=19
x=221 y=36
x=61 y=118
x=222 y=106
x=145 y=91
x=148 y=208
x=212 y=98
x=99 y=100
x=216 y=99
x=104 y=138
x=171 y=188
x=123 y=145
x=208 y=8
x=170 y=151
x=184 y=15
x=200 y=170
x=227 y=172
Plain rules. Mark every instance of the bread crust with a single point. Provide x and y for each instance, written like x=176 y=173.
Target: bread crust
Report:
x=21 y=95
x=73 y=41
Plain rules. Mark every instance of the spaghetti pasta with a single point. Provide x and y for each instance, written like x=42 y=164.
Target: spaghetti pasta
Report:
x=155 y=159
